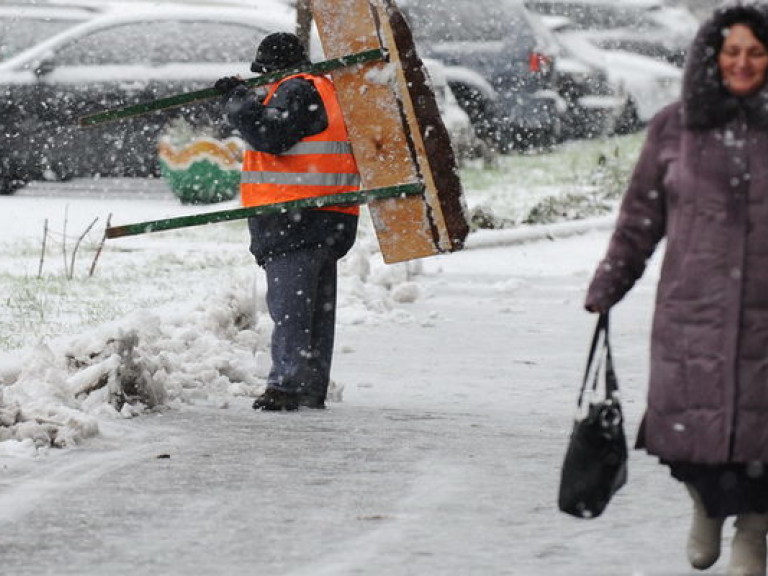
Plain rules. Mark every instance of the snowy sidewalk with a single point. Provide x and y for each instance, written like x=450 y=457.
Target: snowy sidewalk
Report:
x=443 y=458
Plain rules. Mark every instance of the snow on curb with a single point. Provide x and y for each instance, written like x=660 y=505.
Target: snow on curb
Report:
x=537 y=232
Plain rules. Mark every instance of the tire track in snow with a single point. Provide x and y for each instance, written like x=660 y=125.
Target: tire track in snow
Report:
x=22 y=491
x=437 y=485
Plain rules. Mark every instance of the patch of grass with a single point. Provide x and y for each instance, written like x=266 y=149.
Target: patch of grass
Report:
x=28 y=307
x=577 y=179
x=52 y=305
x=568 y=206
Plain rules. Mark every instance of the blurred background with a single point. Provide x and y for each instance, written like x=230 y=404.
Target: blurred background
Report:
x=511 y=77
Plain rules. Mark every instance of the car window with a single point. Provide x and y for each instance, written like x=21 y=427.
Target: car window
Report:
x=163 y=42
x=467 y=21
x=18 y=33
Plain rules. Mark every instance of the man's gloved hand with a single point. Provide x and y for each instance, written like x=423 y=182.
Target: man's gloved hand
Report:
x=225 y=85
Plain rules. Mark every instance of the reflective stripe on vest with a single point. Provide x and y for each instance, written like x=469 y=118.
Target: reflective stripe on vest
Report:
x=318 y=165
x=319 y=148
x=301 y=178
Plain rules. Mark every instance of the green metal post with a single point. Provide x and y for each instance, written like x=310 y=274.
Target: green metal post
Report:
x=209 y=93
x=347 y=198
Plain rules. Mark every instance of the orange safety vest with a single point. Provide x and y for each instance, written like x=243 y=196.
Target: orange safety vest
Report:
x=317 y=165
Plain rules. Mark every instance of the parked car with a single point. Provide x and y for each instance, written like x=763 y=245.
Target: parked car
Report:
x=652 y=45
x=102 y=57
x=647 y=27
x=497 y=40
x=478 y=99
x=466 y=143
x=593 y=105
x=649 y=83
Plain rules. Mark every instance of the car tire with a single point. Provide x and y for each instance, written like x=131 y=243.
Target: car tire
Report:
x=629 y=121
x=482 y=112
x=10 y=185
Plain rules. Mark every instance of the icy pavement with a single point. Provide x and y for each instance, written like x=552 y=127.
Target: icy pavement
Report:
x=442 y=459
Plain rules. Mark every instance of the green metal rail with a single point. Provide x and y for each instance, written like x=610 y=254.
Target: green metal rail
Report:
x=210 y=93
x=344 y=199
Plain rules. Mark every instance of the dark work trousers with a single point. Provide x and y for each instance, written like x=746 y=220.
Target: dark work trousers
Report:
x=301 y=297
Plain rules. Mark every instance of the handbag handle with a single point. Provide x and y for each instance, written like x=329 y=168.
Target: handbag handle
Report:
x=611 y=383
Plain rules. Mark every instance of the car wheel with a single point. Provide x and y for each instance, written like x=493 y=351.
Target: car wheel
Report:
x=10 y=185
x=481 y=111
x=629 y=121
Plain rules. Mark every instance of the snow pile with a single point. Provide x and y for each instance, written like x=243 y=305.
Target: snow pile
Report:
x=55 y=394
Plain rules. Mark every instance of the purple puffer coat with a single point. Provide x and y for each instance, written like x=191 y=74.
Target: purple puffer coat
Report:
x=702 y=182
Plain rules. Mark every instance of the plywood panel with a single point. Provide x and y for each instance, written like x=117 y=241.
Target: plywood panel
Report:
x=388 y=111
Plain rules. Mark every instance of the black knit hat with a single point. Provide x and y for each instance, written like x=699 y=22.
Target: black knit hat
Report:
x=279 y=51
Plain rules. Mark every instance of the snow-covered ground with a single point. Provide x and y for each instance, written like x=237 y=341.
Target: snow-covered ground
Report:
x=456 y=379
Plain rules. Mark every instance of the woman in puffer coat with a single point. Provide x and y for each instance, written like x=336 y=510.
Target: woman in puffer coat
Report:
x=701 y=182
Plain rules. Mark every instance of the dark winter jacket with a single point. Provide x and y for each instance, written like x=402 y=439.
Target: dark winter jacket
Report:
x=295 y=111
x=702 y=182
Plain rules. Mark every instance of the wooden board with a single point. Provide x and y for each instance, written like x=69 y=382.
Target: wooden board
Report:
x=395 y=128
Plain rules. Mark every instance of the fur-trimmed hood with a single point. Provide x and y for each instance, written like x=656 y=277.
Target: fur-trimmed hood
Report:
x=706 y=102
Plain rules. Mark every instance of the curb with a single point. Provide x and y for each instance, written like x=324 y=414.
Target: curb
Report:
x=537 y=232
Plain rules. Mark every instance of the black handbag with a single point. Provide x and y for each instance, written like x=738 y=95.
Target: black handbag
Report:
x=595 y=465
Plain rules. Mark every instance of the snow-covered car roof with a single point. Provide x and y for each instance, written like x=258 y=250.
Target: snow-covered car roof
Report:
x=280 y=17
x=556 y=23
x=615 y=35
x=632 y=3
x=676 y=18
x=651 y=83
x=627 y=13
x=583 y=44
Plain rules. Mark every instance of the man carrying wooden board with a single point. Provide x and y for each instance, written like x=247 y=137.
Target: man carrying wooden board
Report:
x=298 y=148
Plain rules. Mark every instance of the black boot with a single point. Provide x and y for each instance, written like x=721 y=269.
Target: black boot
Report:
x=275 y=400
x=312 y=401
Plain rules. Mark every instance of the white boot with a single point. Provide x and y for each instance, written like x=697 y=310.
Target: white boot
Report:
x=748 y=548
x=706 y=533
